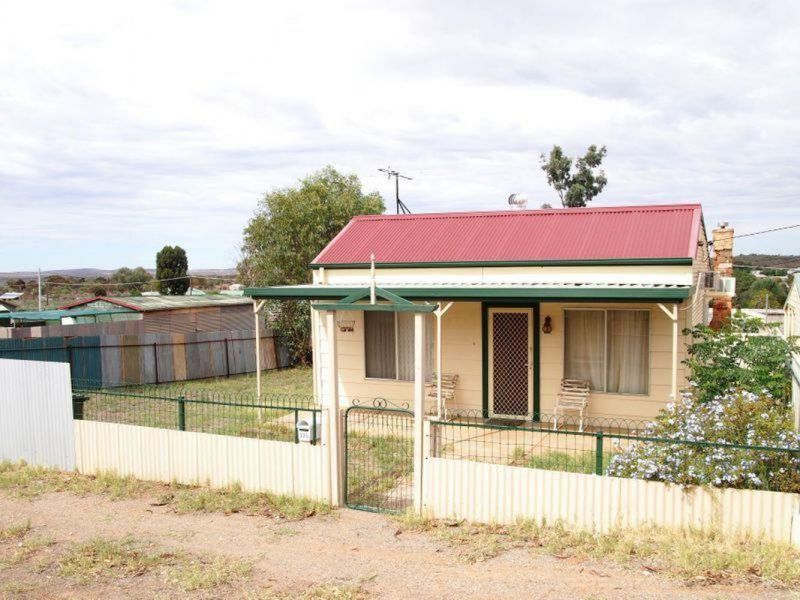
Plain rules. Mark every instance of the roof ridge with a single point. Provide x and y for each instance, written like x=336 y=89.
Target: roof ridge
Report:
x=532 y=212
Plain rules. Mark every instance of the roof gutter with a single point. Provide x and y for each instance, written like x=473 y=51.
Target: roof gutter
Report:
x=461 y=293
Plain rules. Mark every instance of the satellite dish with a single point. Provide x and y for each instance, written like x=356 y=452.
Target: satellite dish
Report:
x=519 y=201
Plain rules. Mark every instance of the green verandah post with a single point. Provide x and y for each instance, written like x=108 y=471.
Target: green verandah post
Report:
x=598 y=453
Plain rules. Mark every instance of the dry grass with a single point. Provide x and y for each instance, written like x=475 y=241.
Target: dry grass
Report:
x=336 y=590
x=694 y=556
x=205 y=574
x=18 y=544
x=22 y=481
x=103 y=558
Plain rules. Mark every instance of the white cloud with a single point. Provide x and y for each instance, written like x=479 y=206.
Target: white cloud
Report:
x=126 y=127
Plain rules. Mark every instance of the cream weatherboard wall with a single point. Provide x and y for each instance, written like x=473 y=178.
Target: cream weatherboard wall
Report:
x=462 y=354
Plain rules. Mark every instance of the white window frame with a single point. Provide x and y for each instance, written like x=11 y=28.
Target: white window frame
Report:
x=605 y=347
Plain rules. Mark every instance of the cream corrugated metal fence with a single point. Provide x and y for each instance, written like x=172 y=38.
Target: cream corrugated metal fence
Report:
x=200 y=458
x=461 y=489
x=36 y=413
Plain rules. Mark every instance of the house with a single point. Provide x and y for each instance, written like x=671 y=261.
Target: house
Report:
x=511 y=303
x=172 y=314
x=5 y=312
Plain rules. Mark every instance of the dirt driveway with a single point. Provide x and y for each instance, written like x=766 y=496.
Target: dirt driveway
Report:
x=354 y=554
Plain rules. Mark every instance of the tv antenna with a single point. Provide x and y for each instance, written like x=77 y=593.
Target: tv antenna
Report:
x=401 y=207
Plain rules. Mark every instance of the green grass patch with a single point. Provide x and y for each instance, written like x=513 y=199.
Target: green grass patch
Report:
x=295 y=381
x=694 y=556
x=221 y=406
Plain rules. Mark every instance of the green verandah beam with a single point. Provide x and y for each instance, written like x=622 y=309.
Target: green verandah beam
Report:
x=410 y=307
x=396 y=303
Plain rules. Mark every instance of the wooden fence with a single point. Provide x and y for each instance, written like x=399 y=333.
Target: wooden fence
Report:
x=151 y=358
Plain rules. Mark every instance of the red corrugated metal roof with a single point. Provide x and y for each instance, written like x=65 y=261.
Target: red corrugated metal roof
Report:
x=582 y=234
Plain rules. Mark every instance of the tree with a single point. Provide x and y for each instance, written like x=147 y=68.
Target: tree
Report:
x=291 y=226
x=744 y=280
x=133 y=280
x=579 y=187
x=173 y=266
x=765 y=289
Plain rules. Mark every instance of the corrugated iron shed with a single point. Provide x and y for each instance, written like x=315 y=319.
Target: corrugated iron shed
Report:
x=154 y=303
x=667 y=233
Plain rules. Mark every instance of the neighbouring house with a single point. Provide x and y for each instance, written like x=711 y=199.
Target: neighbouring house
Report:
x=511 y=303
x=791 y=328
x=5 y=312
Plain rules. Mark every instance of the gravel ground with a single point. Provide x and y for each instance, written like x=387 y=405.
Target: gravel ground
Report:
x=348 y=548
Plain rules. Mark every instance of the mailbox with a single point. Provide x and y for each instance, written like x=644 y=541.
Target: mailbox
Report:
x=309 y=429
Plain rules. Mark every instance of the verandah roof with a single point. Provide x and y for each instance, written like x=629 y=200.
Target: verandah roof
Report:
x=551 y=292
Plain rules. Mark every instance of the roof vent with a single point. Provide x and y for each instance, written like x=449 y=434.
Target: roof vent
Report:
x=518 y=201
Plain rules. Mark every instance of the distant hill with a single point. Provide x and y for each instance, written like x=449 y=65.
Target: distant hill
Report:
x=90 y=273
x=778 y=261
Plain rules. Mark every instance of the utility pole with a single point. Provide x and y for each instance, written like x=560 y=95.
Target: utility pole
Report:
x=401 y=207
x=39 y=271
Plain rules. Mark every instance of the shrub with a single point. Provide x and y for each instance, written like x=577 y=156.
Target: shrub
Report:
x=739 y=417
x=739 y=356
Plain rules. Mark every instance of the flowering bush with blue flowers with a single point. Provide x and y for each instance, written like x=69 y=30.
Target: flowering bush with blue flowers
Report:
x=736 y=417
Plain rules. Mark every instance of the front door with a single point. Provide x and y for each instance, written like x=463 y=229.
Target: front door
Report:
x=510 y=361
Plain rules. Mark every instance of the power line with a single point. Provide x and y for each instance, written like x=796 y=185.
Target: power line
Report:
x=134 y=283
x=767 y=231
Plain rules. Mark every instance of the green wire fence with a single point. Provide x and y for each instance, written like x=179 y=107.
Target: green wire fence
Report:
x=272 y=417
x=608 y=447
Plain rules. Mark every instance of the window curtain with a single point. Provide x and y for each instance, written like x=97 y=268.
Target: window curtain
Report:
x=405 y=346
x=628 y=351
x=584 y=346
x=379 y=344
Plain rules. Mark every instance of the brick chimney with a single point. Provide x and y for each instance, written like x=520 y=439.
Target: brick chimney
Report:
x=723 y=250
x=722 y=307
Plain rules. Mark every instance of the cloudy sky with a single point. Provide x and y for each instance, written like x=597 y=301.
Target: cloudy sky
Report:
x=127 y=126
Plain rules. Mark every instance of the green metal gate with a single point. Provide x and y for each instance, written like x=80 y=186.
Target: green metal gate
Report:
x=379 y=456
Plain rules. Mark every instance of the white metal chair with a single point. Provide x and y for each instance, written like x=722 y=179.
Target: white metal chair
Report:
x=573 y=397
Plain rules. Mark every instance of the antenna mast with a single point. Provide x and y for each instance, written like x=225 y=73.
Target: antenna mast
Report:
x=401 y=207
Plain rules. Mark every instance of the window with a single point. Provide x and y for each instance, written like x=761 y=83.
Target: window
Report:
x=389 y=345
x=608 y=348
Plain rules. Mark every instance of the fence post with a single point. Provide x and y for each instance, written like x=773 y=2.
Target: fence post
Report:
x=182 y=413
x=155 y=360
x=598 y=453
x=227 y=359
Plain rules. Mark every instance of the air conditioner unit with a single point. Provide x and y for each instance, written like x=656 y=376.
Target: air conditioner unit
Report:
x=715 y=284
